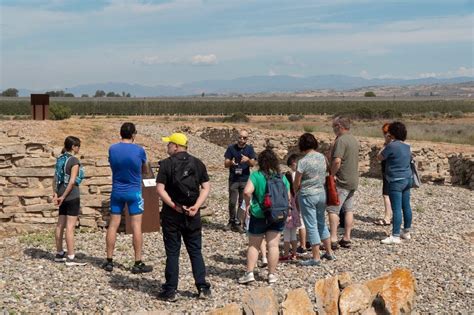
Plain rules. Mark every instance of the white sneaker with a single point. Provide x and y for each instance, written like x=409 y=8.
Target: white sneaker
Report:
x=247 y=278
x=272 y=278
x=405 y=235
x=391 y=240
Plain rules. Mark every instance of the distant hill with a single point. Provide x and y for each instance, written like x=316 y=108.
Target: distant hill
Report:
x=253 y=84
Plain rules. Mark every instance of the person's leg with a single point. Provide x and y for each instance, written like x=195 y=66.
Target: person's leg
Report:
x=136 y=224
x=349 y=221
x=273 y=239
x=308 y=211
x=294 y=241
x=396 y=201
x=172 y=241
x=302 y=235
x=60 y=233
x=286 y=241
x=321 y=222
x=193 y=241
x=333 y=224
x=70 y=226
x=407 y=213
x=240 y=213
x=233 y=200
x=112 y=234
x=252 y=252
x=263 y=251
x=388 y=208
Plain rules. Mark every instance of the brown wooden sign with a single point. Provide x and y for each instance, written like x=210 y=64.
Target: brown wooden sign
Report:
x=39 y=106
x=151 y=214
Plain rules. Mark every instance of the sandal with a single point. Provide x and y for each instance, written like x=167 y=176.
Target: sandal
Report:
x=382 y=222
x=345 y=244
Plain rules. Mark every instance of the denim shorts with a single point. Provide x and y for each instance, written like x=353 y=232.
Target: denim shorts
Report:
x=259 y=226
x=133 y=200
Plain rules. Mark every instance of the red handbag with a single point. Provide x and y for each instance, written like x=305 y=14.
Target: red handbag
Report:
x=332 y=198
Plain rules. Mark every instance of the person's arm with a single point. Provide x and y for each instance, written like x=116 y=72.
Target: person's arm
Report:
x=165 y=197
x=335 y=166
x=70 y=185
x=203 y=193
x=248 y=191
x=229 y=162
x=297 y=182
x=249 y=161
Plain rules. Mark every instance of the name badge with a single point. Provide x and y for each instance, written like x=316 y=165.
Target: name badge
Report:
x=238 y=171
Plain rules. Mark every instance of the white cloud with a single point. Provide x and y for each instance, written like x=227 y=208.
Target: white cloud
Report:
x=204 y=60
x=364 y=74
x=459 y=72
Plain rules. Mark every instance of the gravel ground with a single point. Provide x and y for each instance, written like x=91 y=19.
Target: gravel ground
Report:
x=439 y=254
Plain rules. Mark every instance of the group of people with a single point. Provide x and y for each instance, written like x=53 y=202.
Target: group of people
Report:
x=183 y=186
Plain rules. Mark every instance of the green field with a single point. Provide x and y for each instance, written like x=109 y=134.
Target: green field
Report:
x=360 y=108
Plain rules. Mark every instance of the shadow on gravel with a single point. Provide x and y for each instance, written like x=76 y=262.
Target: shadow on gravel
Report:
x=38 y=253
x=364 y=218
x=369 y=235
x=229 y=260
x=214 y=226
x=141 y=284
x=144 y=285
x=231 y=273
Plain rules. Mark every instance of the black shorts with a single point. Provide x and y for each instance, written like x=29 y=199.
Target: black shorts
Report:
x=70 y=207
x=384 y=186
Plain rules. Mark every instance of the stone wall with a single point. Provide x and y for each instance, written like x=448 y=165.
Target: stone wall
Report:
x=26 y=176
x=435 y=164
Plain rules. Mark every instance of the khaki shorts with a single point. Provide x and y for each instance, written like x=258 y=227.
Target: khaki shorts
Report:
x=346 y=201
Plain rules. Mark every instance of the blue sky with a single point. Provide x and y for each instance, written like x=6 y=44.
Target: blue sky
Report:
x=61 y=43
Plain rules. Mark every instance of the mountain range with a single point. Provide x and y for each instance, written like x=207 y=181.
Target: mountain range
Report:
x=252 y=85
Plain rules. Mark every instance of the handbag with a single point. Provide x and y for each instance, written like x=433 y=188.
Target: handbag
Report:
x=332 y=198
x=416 y=181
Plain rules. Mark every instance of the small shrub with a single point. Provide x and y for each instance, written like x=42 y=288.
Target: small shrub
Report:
x=363 y=113
x=390 y=114
x=369 y=94
x=237 y=118
x=457 y=114
x=59 y=112
x=307 y=128
x=433 y=115
x=295 y=117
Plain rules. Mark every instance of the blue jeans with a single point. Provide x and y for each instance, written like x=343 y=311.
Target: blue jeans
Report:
x=399 y=193
x=313 y=210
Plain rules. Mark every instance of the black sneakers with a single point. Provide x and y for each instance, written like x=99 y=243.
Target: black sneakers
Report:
x=168 y=296
x=60 y=258
x=141 y=268
x=205 y=293
x=74 y=262
x=108 y=266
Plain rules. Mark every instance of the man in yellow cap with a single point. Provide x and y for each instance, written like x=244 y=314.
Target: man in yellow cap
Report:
x=183 y=185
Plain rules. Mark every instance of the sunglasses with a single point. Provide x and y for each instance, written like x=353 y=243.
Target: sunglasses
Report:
x=245 y=138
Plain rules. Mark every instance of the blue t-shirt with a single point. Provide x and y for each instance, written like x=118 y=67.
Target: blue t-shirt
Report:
x=240 y=172
x=126 y=160
x=397 y=156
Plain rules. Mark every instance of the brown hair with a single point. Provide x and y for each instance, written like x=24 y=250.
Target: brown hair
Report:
x=385 y=127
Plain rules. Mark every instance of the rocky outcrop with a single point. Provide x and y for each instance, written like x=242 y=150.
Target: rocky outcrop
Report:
x=393 y=293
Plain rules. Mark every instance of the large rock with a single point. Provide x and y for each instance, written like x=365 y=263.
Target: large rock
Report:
x=89 y=222
x=327 y=295
x=92 y=171
x=355 y=299
x=260 y=301
x=27 y=172
x=40 y=208
x=297 y=302
x=35 y=162
x=398 y=293
x=31 y=201
x=12 y=149
x=230 y=309
x=95 y=201
x=344 y=279
x=35 y=220
x=97 y=181
x=26 y=192
x=376 y=285
x=11 y=201
x=13 y=209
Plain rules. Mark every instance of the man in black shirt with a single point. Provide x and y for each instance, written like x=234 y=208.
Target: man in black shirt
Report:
x=239 y=158
x=183 y=186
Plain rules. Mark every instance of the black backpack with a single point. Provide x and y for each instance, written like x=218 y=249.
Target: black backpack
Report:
x=184 y=179
x=275 y=203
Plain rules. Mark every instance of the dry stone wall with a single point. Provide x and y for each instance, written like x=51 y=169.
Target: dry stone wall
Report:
x=26 y=177
x=434 y=164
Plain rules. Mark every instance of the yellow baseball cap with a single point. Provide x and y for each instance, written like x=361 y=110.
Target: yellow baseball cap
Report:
x=177 y=138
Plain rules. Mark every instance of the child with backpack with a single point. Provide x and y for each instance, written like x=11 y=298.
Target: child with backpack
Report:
x=67 y=177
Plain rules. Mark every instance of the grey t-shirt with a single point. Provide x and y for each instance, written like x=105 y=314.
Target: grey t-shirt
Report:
x=74 y=194
x=346 y=147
